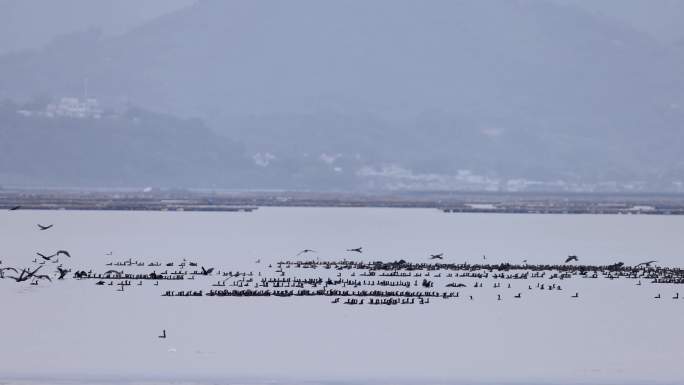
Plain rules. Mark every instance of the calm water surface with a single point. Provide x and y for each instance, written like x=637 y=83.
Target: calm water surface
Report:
x=615 y=333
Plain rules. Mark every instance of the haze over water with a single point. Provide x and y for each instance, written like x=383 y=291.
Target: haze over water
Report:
x=561 y=106
x=614 y=333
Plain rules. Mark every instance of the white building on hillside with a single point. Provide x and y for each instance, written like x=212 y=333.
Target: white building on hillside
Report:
x=75 y=108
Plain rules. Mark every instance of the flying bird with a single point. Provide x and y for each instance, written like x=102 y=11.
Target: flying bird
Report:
x=46 y=258
x=571 y=258
x=356 y=250
x=42 y=276
x=207 y=271
x=163 y=335
x=26 y=274
x=2 y=271
x=306 y=251
x=14 y=208
x=43 y=228
x=64 y=252
x=647 y=264
x=62 y=272
x=437 y=256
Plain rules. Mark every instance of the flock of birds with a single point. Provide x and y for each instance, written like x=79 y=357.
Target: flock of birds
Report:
x=349 y=281
x=31 y=273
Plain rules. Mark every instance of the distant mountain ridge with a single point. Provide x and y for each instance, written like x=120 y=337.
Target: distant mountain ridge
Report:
x=30 y=24
x=324 y=94
x=135 y=149
x=660 y=19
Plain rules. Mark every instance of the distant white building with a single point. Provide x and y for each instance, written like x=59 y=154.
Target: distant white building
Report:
x=74 y=108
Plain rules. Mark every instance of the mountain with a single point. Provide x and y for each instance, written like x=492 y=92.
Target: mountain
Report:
x=394 y=93
x=136 y=148
x=661 y=19
x=30 y=24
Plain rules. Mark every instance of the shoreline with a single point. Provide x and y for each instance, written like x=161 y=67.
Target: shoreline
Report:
x=248 y=201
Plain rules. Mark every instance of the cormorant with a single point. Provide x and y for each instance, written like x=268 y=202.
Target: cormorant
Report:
x=306 y=251
x=571 y=258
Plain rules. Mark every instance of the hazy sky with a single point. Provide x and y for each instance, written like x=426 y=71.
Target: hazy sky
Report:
x=660 y=18
x=22 y=27
x=32 y=23
x=559 y=91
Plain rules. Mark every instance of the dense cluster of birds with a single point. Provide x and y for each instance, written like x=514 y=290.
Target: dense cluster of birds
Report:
x=357 y=282
x=347 y=281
